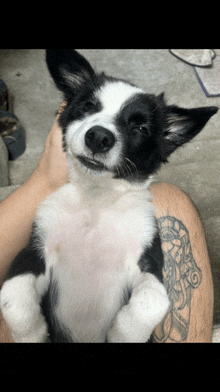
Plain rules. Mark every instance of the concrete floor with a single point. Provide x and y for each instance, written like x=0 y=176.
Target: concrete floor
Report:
x=195 y=168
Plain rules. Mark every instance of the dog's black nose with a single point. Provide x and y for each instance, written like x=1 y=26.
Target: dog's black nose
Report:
x=99 y=139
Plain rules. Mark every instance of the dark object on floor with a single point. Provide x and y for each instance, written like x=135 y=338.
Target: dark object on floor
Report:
x=12 y=134
x=4 y=104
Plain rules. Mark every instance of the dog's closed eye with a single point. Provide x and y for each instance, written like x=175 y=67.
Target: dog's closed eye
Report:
x=89 y=105
x=141 y=129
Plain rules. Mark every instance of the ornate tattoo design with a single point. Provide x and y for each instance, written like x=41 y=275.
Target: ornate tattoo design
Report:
x=181 y=275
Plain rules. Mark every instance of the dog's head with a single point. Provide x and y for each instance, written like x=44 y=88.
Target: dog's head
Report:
x=110 y=125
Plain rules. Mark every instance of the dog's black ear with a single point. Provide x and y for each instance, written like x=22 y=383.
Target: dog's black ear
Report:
x=69 y=70
x=184 y=124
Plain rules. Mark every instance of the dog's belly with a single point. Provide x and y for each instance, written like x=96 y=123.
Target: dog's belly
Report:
x=94 y=265
x=94 y=254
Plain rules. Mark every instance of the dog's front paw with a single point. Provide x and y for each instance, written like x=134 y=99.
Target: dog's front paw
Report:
x=126 y=328
x=116 y=334
x=136 y=321
x=20 y=306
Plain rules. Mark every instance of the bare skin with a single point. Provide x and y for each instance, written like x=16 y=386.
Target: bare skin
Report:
x=18 y=210
x=187 y=272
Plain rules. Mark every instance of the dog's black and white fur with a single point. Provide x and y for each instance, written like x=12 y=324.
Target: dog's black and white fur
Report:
x=92 y=271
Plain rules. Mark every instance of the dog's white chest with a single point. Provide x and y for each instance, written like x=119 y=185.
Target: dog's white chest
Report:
x=93 y=250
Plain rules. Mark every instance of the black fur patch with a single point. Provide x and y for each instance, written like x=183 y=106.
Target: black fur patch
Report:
x=152 y=259
x=77 y=109
x=58 y=333
x=141 y=123
x=28 y=260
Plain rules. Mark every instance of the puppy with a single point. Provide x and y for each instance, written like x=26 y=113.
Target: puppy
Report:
x=92 y=271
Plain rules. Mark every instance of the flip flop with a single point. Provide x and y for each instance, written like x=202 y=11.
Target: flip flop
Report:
x=196 y=57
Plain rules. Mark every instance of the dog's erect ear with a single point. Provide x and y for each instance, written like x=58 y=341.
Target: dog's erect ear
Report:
x=184 y=124
x=69 y=69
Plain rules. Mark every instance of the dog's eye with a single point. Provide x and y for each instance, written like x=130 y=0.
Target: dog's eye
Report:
x=141 y=129
x=89 y=105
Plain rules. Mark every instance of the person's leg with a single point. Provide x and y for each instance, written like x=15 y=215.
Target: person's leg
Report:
x=187 y=272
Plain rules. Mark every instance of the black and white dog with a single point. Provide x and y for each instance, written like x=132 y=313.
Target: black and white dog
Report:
x=92 y=271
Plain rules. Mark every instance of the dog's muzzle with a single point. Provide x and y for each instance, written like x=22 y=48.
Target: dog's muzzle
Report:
x=99 y=140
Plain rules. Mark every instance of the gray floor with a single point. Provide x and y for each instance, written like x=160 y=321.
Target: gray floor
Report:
x=194 y=168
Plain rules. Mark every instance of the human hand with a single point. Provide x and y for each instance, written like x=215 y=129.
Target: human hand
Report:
x=52 y=166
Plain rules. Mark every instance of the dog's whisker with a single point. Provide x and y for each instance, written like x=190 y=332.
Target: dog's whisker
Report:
x=129 y=171
x=118 y=170
x=132 y=164
x=125 y=169
x=121 y=169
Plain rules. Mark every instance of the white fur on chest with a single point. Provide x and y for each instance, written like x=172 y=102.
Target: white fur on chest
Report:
x=93 y=243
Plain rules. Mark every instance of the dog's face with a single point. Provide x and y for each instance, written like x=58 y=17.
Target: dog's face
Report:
x=111 y=126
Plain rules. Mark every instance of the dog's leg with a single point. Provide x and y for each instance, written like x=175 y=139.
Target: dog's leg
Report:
x=148 y=305
x=20 y=305
x=21 y=295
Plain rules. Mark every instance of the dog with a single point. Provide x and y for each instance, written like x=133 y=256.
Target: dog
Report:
x=92 y=271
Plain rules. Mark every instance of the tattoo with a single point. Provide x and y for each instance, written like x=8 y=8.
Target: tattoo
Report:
x=180 y=276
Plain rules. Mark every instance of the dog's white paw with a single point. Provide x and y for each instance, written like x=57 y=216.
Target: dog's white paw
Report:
x=20 y=305
x=126 y=328
x=147 y=307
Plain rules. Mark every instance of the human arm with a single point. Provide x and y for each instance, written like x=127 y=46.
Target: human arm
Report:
x=17 y=211
x=187 y=272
